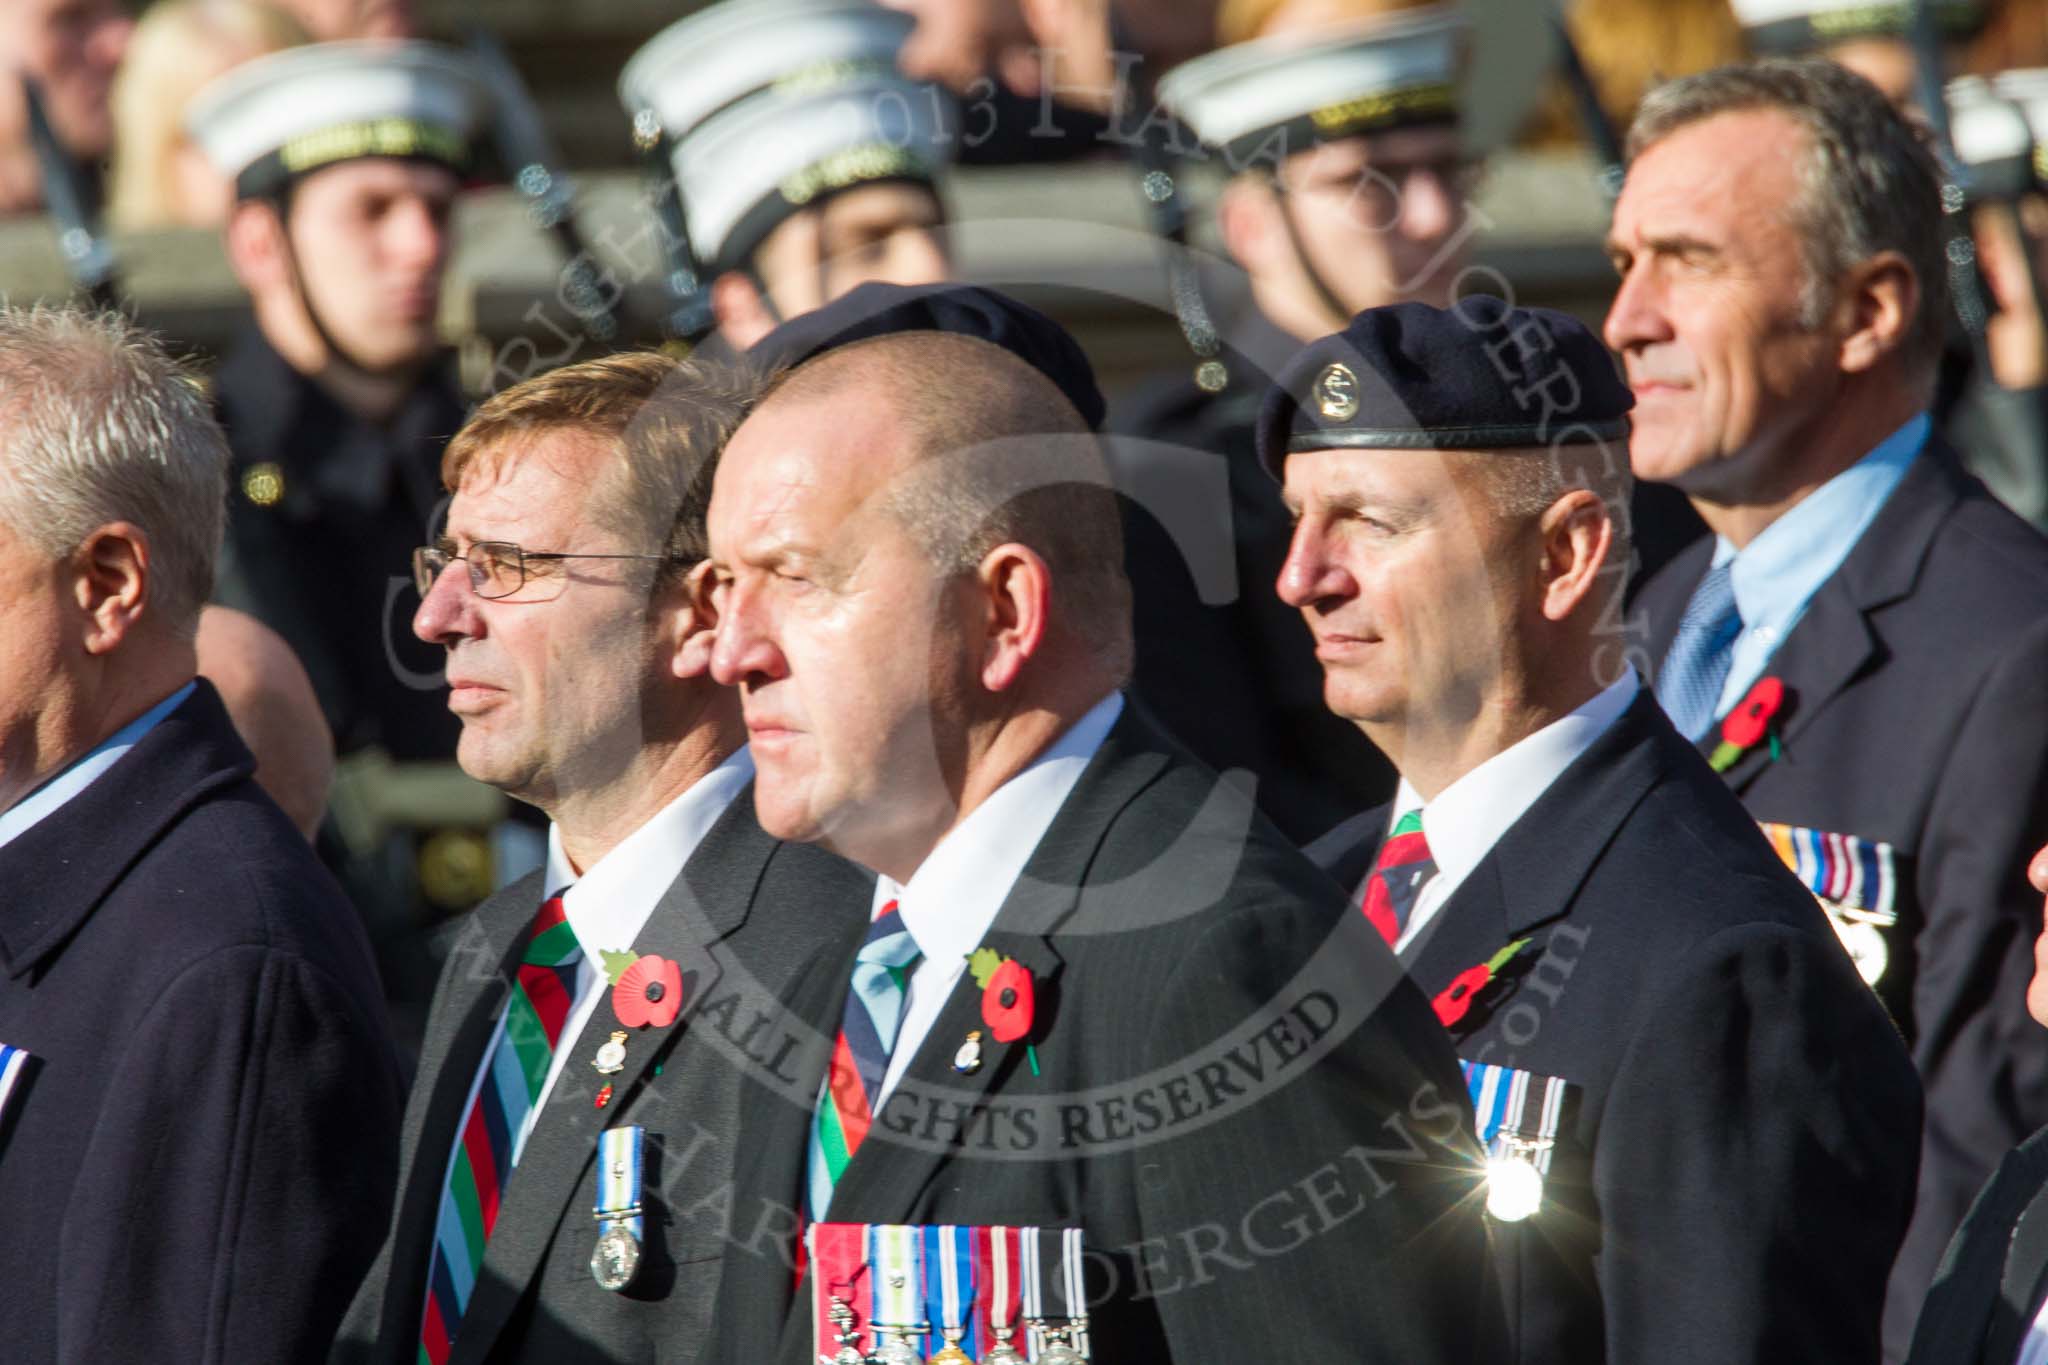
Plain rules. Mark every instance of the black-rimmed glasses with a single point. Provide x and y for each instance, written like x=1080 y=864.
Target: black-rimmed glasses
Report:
x=497 y=568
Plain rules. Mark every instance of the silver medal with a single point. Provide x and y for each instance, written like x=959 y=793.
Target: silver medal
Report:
x=616 y=1258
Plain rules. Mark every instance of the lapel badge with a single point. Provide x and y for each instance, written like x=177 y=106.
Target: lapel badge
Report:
x=611 y=1058
x=1336 y=393
x=967 y=1060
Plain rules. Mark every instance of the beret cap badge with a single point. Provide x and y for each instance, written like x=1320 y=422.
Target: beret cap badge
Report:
x=1336 y=393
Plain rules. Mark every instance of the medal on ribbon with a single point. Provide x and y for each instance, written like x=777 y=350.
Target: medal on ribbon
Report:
x=996 y=1255
x=949 y=1292
x=1055 y=1306
x=1518 y=1115
x=838 y=1254
x=620 y=1221
x=896 y=1282
x=1856 y=882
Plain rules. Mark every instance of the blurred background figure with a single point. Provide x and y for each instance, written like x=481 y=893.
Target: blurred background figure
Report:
x=70 y=48
x=333 y=20
x=1873 y=40
x=337 y=398
x=270 y=700
x=1347 y=190
x=806 y=163
x=159 y=177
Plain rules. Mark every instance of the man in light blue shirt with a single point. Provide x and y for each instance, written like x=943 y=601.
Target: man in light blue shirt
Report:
x=1860 y=646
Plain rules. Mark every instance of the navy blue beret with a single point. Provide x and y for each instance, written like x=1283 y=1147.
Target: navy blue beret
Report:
x=1479 y=375
x=876 y=310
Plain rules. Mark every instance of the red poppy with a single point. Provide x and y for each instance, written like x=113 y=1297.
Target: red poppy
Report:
x=1750 y=721
x=1006 y=1002
x=1456 y=998
x=649 y=992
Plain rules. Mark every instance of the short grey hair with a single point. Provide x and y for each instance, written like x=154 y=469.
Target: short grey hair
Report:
x=98 y=423
x=1869 y=182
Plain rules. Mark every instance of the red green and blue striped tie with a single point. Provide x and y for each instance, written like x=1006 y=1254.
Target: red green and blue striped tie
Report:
x=1403 y=867
x=493 y=1130
x=860 y=1056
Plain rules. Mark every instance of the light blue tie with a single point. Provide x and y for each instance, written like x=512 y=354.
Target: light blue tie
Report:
x=1689 y=685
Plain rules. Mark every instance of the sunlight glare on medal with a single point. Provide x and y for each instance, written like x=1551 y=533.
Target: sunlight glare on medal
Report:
x=1514 y=1188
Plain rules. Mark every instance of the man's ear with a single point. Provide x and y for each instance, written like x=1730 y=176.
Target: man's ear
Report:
x=256 y=246
x=1881 y=297
x=1577 y=535
x=112 y=584
x=743 y=315
x=695 y=603
x=1015 y=585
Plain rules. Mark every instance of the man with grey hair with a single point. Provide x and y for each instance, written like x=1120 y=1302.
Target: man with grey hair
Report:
x=1859 y=646
x=198 y=1096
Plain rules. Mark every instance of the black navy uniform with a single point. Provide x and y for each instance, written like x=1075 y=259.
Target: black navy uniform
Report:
x=1235 y=680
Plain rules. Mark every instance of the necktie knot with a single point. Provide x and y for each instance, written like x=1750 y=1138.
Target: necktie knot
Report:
x=889 y=942
x=1403 y=867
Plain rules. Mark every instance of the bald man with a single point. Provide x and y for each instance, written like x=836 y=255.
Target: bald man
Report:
x=271 y=702
x=919 y=571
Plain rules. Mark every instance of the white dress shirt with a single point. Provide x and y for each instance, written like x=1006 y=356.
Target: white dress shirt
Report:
x=609 y=905
x=1468 y=817
x=48 y=799
x=951 y=900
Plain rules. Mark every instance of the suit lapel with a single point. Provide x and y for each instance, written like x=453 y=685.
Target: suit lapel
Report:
x=885 y=1178
x=464 y=1016
x=1840 y=635
x=706 y=902
x=1533 y=873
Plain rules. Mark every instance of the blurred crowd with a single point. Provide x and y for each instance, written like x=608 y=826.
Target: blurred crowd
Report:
x=799 y=150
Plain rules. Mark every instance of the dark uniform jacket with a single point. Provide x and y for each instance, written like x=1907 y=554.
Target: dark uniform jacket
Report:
x=1735 y=1163
x=1227 y=666
x=743 y=916
x=1917 y=718
x=323 y=515
x=1252 y=1117
x=1993 y=1279
x=195 y=1165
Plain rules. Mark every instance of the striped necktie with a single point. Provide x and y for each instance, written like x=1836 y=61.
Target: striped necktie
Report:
x=860 y=1057
x=493 y=1131
x=1403 y=867
x=1696 y=666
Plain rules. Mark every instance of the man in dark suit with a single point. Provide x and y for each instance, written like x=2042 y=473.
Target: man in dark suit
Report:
x=1987 y=1303
x=626 y=1010
x=198 y=1096
x=1722 y=1163
x=1864 y=608
x=1098 y=991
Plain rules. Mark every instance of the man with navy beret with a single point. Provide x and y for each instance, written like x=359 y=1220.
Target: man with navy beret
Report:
x=1701 y=1125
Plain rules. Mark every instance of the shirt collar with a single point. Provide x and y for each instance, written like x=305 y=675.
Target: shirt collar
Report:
x=609 y=904
x=1777 y=574
x=1469 y=817
x=953 y=897
x=47 y=799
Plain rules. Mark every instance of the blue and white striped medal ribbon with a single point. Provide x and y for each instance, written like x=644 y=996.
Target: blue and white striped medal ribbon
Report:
x=950 y=1289
x=620 y=1219
x=13 y=1061
x=896 y=1276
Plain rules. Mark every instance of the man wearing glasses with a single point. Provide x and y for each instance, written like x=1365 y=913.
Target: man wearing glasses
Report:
x=619 y=988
